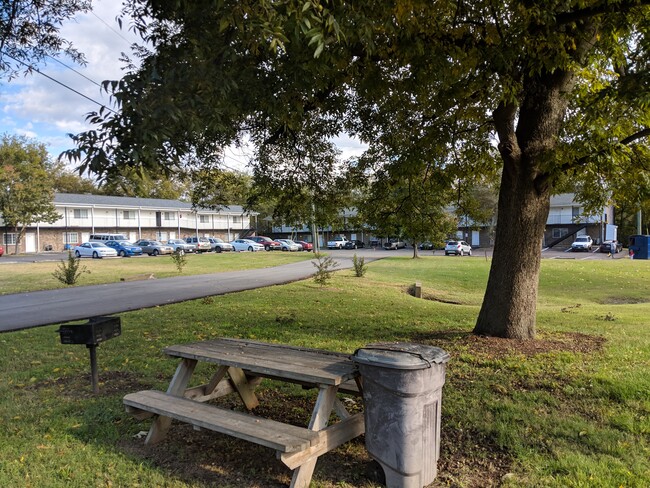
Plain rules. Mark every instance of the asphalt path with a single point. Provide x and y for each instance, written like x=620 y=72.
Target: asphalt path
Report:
x=34 y=309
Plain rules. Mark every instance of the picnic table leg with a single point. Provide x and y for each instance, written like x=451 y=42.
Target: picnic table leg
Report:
x=177 y=386
x=245 y=390
x=319 y=418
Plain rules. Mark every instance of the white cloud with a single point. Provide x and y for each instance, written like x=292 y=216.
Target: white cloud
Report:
x=52 y=110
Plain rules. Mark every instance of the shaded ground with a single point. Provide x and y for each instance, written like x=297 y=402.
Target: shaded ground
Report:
x=203 y=458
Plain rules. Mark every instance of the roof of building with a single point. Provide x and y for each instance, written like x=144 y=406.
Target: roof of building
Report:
x=137 y=202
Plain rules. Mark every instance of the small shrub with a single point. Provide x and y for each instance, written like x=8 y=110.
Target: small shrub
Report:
x=68 y=272
x=324 y=268
x=178 y=256
x=360 y=266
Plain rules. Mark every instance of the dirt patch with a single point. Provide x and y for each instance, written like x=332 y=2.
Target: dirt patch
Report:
x=432 y=296
x=619 y=300
x=204 y=458
x=495 y=346
x=80 y=386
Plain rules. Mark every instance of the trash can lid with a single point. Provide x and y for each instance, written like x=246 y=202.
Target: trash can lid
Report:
x=400 y=355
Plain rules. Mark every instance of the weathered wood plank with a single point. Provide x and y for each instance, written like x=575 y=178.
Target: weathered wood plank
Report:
x=269 y=433
x=225 y=387
x=328 y=439
x=319 y=418
x=271 y=360
x=177 y=386
x=246 y=393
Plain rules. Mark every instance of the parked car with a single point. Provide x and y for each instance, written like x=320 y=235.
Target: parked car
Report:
x=458 y=248
x=201 y=244
x=289 y=245
x=246 y=245
x=125 y=248
x=306 y=246
x=611 y=247
x=180 y=246
x=426 y=246
x=268 y=243
x=394 y=244
x=2 y=251
x=219 y=245
x=94 y=250
x=582 y=243
x=153 y=248
x=354 y=244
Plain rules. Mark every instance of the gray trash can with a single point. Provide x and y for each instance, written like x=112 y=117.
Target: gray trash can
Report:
x=402 y=393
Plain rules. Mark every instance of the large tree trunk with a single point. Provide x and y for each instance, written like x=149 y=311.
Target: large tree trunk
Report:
x=510 y=300
x=509 y=305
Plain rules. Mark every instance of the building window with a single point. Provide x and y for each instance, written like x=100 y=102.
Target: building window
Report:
x=70 y=238
x=204 y=219
x=80 y=213
x=559 y=232
x=161 y=236
x=128 y=214
x=10 y=239
x=236 y=219
x=169 y=216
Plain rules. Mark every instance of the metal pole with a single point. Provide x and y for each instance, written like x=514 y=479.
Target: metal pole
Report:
x=94 y=374
x=639 y=230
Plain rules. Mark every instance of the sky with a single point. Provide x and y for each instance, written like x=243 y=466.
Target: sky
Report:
x=39 y=108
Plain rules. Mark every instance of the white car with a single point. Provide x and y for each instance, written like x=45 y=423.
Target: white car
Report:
x=246 y=245
x=289 y=245
x=458 y=248
x=582 y=243
x=94 y=250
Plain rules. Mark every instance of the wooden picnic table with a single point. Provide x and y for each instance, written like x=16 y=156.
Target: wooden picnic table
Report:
x=240 y=365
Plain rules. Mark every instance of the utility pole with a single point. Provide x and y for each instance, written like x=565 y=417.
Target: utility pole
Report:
x=314 y=233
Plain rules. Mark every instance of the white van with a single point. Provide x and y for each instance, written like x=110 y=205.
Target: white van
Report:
x=108 y=237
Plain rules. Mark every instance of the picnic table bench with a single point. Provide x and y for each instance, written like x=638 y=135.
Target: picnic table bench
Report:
x=240 y=367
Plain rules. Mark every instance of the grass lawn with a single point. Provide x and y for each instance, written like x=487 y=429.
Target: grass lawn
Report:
x=569 y=409
x=17 y=278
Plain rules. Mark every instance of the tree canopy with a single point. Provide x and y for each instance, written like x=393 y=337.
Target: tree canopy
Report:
x=29 y=32
x=26 y=185
x=538 y=92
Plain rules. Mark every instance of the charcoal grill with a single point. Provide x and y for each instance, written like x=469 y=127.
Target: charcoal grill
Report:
x=91 y=333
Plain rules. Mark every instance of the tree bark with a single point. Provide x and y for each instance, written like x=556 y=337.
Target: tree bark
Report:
x=509 y=304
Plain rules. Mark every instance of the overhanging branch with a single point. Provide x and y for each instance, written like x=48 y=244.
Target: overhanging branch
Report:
x=603 y=7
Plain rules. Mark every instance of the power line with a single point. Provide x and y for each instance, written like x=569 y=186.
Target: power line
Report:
x=32 y=68
x=72 y=69
x=111 y=28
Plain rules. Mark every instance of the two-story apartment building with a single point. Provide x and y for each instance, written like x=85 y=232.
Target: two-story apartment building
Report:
x=566 y=219
x=83 y=215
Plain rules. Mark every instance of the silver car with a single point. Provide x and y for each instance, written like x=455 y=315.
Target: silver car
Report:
x=289 y=245
x=459 y=248
x=153 y=248
x=180 y=246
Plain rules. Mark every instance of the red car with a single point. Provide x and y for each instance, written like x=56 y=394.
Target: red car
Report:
x=306 y=246
x=268 y=243
x=2 y=250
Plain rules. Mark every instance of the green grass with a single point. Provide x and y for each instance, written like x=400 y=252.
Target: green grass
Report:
x=16 y=278
x=559 y=417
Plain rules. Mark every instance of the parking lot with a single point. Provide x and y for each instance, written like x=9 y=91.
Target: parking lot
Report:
x=364 y=252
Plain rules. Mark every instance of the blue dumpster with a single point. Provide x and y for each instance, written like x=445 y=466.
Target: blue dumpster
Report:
x=638 y=247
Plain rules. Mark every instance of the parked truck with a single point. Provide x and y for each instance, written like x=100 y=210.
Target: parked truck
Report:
x=337 y=243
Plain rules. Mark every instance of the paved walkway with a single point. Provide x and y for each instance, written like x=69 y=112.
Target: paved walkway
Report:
x=35 y=309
